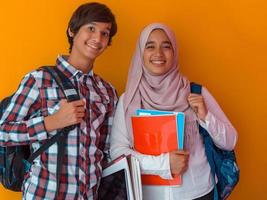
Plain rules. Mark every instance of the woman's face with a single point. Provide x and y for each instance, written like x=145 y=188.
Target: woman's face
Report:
x=158 y=53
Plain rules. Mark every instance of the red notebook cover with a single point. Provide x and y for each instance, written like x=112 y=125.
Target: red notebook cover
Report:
x=153 y=135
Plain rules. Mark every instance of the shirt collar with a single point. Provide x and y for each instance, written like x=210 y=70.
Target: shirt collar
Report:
x=69 y=70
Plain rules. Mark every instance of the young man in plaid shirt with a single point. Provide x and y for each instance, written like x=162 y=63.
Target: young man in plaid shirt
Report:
x=38 y=109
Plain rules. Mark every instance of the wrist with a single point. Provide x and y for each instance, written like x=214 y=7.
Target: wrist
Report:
x=202 y=116
x=49 y=123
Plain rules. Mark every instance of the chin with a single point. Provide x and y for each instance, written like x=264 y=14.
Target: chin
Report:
x=157 y=73
x=91 y=56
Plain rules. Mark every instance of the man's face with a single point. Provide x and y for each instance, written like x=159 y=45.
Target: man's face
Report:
x=91 y=40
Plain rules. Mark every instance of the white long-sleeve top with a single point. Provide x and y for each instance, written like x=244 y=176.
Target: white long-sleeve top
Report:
x=197 y=180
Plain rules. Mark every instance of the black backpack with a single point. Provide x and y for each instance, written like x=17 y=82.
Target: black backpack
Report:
x=15 y=161
x=223 y=163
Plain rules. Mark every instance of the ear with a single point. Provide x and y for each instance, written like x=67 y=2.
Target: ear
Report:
x=71 y=34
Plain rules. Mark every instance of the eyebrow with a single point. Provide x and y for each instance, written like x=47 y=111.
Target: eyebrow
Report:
x=167 y=42
x=164 y=42
x=149 y=42
x=94 y=23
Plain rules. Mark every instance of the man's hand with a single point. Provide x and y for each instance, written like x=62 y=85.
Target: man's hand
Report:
x=197 y=103
x=179 y=162
x=70 y=113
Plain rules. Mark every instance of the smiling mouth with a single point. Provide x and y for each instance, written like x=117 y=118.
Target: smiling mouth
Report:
x=158 y=62
x=94 y=46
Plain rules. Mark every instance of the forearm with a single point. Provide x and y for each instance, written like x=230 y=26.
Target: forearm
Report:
x=156 y=165
x=51 y=123
x=21 y=122
x=217 y=124
x=223 y=134
x=23 y=132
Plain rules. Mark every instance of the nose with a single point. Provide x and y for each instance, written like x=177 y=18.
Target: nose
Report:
x=158 y=52
x=97 y=37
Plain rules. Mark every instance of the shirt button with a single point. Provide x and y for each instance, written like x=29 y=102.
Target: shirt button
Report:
x=82 y=152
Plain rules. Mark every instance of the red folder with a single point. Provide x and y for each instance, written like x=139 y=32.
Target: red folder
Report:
x=153 y=135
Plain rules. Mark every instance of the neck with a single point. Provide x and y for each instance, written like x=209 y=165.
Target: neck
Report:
x=82 y=64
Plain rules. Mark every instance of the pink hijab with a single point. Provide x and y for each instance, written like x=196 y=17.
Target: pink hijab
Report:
x=167 y=92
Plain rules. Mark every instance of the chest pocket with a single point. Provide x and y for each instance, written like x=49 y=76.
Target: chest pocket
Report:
x=99 y=109
x=50 y=98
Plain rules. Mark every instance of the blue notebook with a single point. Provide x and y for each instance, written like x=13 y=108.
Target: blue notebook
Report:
x=180 y=121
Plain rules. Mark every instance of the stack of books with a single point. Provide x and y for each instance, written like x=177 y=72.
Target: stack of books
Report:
x=156 y=132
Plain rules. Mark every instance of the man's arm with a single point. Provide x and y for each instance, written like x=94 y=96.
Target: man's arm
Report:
x=21 y=122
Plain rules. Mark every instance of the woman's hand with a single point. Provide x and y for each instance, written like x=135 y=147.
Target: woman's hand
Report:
x=179 y=162
x=70 y=113
x=197 y=103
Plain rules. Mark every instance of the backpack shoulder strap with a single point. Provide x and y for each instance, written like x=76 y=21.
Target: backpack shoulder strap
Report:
x=195 y=88
x=70 y=91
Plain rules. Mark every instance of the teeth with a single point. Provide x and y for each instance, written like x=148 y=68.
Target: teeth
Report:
x=92 y=46
x=158 y=62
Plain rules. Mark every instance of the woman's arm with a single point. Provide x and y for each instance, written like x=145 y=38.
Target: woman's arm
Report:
x=217 y=124
x=121 y=143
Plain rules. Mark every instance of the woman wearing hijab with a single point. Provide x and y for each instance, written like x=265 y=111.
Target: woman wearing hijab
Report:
x=155 y=83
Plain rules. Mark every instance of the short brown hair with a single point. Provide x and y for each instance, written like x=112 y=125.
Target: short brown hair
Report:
x=91 y=12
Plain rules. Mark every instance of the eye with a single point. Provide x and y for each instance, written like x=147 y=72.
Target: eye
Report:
x=91 y=28
x=167 y=46
x=149 y=46
x=105 y=33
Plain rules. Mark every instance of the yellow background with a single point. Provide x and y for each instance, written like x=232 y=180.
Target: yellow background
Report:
x=222 y=45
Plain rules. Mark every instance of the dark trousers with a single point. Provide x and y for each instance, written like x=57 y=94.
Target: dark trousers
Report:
x=208 y=196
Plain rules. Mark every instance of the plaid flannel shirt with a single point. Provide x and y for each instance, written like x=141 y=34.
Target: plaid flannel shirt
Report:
x=23 y=123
